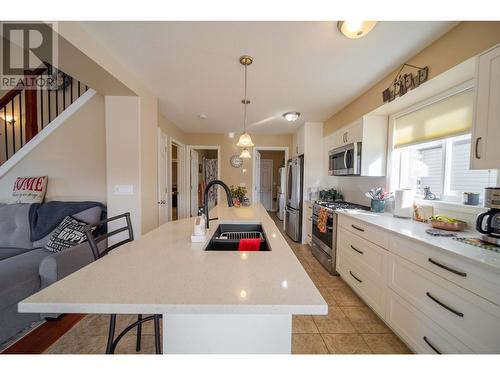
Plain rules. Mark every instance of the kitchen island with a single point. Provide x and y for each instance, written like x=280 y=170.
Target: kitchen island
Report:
x=211 y=301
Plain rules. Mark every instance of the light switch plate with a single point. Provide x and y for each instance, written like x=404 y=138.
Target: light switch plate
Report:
x=124 y=190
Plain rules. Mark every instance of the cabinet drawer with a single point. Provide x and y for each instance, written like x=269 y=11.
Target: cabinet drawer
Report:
x=468 y=275
x=365 y=253
x=418 y=331
x=372 y=291
x=470 y=318
x=366 y=231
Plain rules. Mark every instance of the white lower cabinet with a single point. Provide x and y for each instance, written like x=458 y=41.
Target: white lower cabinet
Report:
x=359 y=278
x=435 y=302
x=418 y=331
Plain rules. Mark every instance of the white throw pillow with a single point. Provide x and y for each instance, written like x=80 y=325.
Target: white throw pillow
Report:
x=29 y=189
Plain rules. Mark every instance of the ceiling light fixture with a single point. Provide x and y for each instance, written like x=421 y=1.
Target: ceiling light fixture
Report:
x=291 y=116
x=355 y=29
x=245 y=154
x=245 y=139
x=230 y=134
x=203 y=116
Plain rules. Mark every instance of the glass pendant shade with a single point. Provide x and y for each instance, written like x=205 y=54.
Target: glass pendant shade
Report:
x=245 y=154
x=245 y=141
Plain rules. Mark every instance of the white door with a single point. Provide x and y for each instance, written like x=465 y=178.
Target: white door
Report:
x=266 y=183
x=163 y=206
x=194 y=182
x=256 y=192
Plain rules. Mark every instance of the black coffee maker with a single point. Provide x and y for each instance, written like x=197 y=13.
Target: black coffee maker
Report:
x=488 y=223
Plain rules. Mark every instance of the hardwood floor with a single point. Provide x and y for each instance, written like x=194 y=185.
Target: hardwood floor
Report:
x=42 y=337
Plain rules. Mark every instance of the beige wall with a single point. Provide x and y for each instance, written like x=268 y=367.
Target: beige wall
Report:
x=146 y=123
x=235 y=176
x=278 y=158
x=73 y=157
x=168 y=127
x=465 y=40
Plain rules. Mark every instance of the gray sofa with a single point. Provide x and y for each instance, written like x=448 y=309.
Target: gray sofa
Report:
x=26 y=266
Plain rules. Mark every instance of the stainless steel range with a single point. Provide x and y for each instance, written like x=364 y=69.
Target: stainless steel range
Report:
x=324 y=244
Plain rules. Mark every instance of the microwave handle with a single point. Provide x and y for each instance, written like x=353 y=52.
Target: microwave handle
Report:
x=345 y=159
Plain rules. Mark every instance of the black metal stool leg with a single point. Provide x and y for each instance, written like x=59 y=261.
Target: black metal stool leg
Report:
x=111 y=334
x=139 y=333
x=157 y=334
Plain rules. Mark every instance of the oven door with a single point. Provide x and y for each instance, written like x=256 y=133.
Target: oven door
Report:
x=323 y=239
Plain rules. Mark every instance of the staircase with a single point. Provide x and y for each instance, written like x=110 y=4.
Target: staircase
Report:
x=25 y=111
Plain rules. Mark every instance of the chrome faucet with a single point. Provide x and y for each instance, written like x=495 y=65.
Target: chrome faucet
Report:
x=205 y=198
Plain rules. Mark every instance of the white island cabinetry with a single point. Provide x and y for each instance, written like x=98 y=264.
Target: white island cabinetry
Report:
x=211 y=301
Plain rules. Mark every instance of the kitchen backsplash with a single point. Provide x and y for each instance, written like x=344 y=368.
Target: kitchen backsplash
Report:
x=353 y=188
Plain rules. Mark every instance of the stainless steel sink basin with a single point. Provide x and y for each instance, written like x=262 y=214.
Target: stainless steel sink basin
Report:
x=227 y=237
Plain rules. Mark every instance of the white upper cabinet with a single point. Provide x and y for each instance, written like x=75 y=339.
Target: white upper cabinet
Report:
x=485 y=150
x=371 y=131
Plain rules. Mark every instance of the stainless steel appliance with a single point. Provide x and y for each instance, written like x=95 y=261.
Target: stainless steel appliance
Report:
x=324 y=244
x=345 y=160
x=488 y=223
x=294 y=195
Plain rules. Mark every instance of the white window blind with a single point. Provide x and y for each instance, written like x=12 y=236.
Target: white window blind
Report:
x=445 y=118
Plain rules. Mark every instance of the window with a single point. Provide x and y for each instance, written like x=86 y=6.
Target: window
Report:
x=442 y=165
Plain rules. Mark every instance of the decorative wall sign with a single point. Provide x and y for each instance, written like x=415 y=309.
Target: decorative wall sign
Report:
x=405 y=82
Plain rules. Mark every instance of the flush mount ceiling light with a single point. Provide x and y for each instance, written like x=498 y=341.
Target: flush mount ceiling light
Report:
x=291 y=116
x=202 y=116
x=355 y=29
x=245 y=139
x=245 y=154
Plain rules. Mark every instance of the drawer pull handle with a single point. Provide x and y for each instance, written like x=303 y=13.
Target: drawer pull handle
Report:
x=431 y=346
x=358 y=251
x=358 y=279
x=357 y=228
x=459 y=273
x=458 y=313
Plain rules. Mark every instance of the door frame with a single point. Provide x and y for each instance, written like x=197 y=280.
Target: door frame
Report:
x=163 y=142
x=181 y=160
x=272 y=178
x=264 y=148
x=188 y=171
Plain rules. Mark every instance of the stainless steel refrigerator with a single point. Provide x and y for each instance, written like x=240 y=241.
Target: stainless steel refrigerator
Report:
x=280 y=212
x=294 y=195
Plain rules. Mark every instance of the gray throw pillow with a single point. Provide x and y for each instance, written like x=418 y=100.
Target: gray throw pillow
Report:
x=69 y=233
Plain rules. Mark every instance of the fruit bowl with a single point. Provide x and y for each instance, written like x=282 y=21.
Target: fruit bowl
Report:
x=447 y=223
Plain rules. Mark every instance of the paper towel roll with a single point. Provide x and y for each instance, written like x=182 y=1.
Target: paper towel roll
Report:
x=403 y=203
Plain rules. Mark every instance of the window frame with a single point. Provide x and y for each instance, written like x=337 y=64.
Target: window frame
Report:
x=393 y=176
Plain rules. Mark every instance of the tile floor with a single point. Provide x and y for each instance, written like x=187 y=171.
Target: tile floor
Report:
x=350 y=326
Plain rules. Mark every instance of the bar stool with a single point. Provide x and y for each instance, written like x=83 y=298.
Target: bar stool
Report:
x=100 y=251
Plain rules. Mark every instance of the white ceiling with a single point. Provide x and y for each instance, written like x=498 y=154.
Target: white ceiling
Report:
x=308 y=67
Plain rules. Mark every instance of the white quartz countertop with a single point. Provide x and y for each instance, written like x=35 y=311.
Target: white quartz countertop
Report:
x=416 y=230
x=163 y=272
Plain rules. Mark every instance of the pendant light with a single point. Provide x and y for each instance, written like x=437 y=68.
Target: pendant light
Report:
x=245 y=139
x=245 y=154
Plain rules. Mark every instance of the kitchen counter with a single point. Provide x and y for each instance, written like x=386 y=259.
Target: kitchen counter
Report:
x=416 y=230
x=249 y=293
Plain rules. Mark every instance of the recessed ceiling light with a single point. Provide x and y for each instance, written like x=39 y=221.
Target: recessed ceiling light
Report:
x=355 y=29
x=202 y=116
x=291 y=116
x=230 y=135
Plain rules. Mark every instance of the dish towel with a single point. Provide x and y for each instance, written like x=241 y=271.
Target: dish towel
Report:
x=249 y=244
x=322 y=220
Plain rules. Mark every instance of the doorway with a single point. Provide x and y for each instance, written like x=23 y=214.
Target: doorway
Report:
x=176 y=181
x=269 y=177
x=204 y=166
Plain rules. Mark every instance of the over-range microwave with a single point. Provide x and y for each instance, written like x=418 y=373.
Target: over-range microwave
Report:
x=345 y=160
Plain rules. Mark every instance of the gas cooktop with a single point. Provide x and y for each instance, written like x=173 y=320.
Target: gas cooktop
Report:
x=341 y=205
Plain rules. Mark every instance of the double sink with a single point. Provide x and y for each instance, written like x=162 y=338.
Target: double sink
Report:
x=227 y=237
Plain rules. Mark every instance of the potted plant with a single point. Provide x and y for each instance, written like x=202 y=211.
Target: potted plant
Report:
x=238 y=193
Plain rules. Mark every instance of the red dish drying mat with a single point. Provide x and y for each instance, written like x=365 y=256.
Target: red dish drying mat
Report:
x=249 y=244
